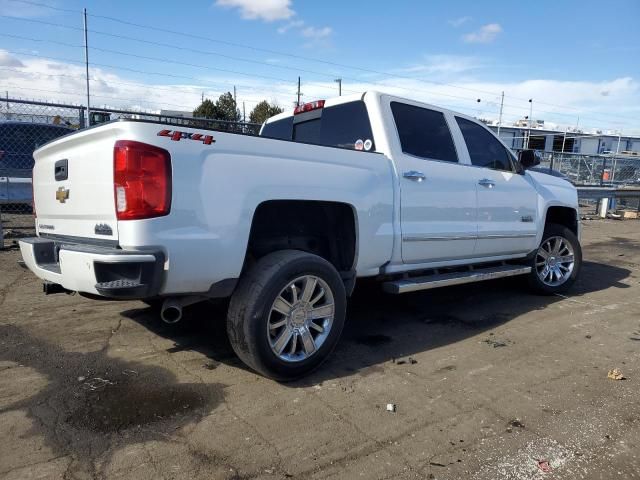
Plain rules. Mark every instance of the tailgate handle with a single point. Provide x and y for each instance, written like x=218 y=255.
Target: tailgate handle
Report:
x=62 y=169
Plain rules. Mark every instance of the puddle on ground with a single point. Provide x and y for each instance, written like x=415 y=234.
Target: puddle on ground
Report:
x=123 y=406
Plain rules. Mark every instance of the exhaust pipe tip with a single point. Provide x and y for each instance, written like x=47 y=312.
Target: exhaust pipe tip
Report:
x=171 y=313
x=50 y=288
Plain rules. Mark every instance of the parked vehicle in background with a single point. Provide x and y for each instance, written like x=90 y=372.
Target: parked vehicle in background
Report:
x=371 y=185
x=18 y=140
x=99 y=117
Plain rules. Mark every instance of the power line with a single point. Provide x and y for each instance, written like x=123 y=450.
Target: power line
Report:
x=290 y=68
x=301 y=57
x=410 y=89
x=231 y=57
x=158 y=59
x=37 y=4
x=77 y=94
x=461 y=107
x=149 y=86
x=162 y=60
x=193 y=90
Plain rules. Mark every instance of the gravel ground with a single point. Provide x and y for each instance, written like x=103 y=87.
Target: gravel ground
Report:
x=489 y=382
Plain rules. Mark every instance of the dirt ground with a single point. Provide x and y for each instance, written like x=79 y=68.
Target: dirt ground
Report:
x=489 y=382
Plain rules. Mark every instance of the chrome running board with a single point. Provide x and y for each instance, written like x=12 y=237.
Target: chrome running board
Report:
x=427 y=282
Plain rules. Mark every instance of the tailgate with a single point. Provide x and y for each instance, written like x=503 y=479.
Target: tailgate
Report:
x=73 y=185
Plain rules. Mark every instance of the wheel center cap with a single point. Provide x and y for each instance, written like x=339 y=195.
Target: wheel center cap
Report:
x=298 y=317
x=552 y=261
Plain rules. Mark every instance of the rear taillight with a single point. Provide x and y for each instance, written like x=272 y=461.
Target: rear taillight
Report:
x=141 y=180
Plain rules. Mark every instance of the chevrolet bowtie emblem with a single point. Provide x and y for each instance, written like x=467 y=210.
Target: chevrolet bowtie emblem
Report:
x=62 y=195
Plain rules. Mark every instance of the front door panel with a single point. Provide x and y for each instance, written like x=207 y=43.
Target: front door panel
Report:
x=507 y=210
x=438 y=213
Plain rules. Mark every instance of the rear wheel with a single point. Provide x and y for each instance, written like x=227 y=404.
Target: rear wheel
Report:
x=556 y=263
x=286 y=314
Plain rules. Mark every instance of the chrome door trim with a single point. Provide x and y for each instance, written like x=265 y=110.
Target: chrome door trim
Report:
x=425 y=238
x=420 y=238
x=515 y=235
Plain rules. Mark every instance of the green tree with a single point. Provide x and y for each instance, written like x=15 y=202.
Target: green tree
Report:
x=263 y=111
x=207 y=109
x=227 y=109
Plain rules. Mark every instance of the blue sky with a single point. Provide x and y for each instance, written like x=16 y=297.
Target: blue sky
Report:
x=576 y=59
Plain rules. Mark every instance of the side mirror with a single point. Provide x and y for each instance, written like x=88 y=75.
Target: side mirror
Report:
x=528 y=159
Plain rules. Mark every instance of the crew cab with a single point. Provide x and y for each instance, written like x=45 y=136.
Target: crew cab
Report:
x=283 y=224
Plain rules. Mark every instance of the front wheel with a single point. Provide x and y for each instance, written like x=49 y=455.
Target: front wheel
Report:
x=286 y=314
x=556 y=263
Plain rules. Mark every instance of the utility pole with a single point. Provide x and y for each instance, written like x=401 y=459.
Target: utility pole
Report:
x=202 y=98
x=615 y=158
x=529 y=122
x=339 y=82
x=298 y=101
x=500 y=117
x=86 y=65
x=244 y=113
x=234 y=94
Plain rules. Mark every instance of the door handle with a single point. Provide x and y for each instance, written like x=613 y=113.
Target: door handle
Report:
x=485 y=182
x=414 y=175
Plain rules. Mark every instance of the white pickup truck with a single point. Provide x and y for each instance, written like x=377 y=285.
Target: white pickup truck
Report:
x=284 y=223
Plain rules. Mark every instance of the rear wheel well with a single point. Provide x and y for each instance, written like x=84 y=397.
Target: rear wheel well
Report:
x=563 y=216
x=326 y=229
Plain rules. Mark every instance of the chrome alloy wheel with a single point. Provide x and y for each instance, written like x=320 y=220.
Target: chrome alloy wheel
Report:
x=555 y=261
x=300 y=318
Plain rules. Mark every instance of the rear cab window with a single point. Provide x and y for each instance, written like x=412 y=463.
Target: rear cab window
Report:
x=345 y=125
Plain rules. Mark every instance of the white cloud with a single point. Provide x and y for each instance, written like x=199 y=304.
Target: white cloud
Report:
x=290 y=25
x=272 y=10
x=458 y=22
x=486 y=34
x=7 y=60
x=444 y=65
x=267 y=10
x=62 y=82
x=316 y=33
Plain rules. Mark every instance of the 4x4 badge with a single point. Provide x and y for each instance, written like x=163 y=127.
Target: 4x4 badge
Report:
x=62 y=194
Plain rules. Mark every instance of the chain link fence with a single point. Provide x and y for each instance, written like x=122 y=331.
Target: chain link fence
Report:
x=99 y=115
x=25 y=125
x=595 y=170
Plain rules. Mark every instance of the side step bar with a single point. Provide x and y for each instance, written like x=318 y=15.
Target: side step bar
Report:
x=456 y=278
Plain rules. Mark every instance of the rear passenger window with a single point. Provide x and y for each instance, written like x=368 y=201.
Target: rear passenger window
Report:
x=484 y=149
x=341 y=126
x=423 y=132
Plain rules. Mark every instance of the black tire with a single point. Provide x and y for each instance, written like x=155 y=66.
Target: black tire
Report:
x=250 y=308
x=536 y=284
